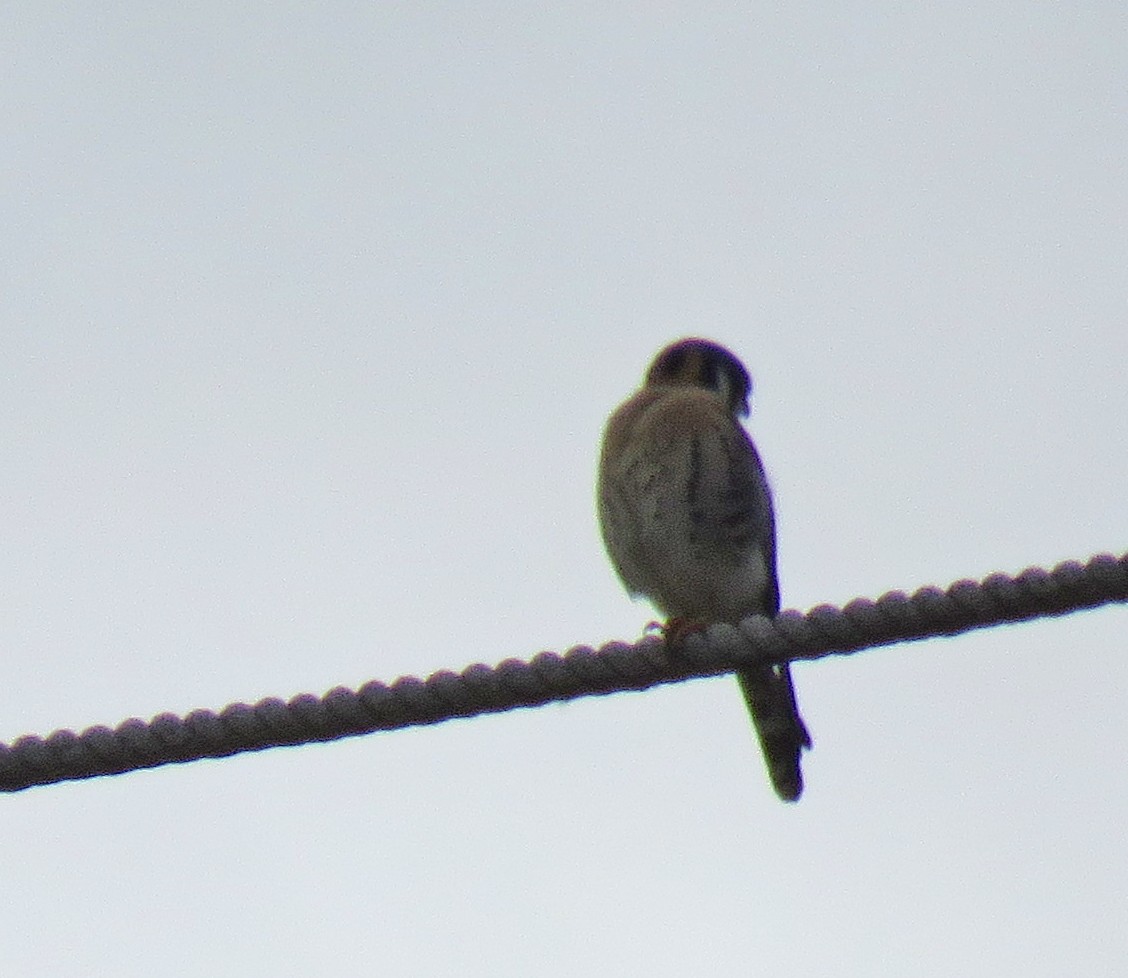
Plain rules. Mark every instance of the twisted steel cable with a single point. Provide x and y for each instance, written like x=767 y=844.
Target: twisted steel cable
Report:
x=581 y=671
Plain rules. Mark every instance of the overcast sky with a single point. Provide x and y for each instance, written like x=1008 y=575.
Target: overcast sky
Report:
x=310 y=319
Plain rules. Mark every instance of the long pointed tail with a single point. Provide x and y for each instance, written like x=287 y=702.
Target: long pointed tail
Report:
x=775 y=715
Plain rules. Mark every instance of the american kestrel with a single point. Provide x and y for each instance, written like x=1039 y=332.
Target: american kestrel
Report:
x=686 y=516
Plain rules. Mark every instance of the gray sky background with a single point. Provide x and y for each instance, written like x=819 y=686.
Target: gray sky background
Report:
x=310 y=318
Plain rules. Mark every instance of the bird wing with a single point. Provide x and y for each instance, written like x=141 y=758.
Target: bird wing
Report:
x=686 y=510
x=729 y=503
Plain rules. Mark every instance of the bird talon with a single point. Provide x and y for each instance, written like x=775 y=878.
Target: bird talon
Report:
x=676 y=630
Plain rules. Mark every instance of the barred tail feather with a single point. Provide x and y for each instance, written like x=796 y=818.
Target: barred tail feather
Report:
x=775 y=715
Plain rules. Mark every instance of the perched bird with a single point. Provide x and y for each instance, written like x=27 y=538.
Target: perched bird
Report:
x=687 y=519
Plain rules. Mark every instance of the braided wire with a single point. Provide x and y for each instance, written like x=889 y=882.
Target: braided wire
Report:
x=581 y=671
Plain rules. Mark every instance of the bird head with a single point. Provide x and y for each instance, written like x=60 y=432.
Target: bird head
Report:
x=702 y=363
